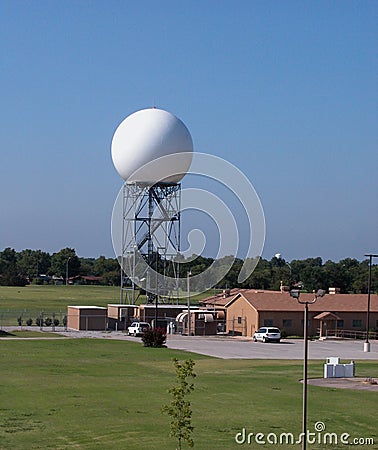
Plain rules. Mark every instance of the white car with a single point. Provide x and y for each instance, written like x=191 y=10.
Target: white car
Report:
x=267 y=334
x=138 y=328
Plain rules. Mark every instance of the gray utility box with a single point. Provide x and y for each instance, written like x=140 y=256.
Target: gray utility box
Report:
x=334 y=369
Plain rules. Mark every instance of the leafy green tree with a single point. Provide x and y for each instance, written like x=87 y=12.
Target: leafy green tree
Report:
x=33 y=262
x=59 y=263
x=9 y=270
x=111 y=278
x=179 y=410
x=261 y=277
x=104 y=265
x=87 y=266
x=8 y=261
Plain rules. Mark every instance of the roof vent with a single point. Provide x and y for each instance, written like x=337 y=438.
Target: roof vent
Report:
x=334 y=290
x=284 y=288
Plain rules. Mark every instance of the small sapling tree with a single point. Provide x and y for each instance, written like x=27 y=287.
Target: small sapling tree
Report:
x=179 y=409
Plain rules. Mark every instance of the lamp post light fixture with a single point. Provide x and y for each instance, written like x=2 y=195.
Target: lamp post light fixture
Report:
x=188 y=292
x=295 y=293
x=67 y=270
x=367 y=343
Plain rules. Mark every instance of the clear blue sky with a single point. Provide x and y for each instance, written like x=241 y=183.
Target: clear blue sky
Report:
x=284 y=90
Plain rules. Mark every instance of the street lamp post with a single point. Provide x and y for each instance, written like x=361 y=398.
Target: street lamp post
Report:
x=67 y=270
x=367 y=343
x=156 y=288
x=188 y=292
x=295 y=293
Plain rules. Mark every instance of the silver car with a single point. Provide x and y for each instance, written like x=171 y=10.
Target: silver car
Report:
x=267 y=334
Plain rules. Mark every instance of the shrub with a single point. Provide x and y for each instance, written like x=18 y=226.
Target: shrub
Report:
x=19 y=321
x=48 y=322
x=13 y=280
x=39 y=321
x=154 y=338
x=29 y=322
x=56 y=322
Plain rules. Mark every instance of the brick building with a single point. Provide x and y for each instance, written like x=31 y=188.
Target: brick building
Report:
x=251 y=309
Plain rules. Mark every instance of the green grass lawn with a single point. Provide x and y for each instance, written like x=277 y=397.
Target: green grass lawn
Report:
x=55 y=297
x=59 y=297
x=100 y=394
x=30 y=301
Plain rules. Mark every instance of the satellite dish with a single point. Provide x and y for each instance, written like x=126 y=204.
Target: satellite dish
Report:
x=145 y=136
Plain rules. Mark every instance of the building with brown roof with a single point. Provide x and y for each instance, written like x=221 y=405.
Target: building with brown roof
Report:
x=221 y=299
x=251 y=309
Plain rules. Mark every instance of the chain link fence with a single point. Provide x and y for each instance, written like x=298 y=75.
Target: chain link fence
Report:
x=28 y=318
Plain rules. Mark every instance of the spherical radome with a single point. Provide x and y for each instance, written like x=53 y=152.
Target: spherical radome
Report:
x=143 y=137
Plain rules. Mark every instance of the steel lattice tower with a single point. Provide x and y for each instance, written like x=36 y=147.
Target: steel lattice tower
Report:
x=150 y=246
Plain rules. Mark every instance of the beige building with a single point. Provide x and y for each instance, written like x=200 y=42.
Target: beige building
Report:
x=251 y=309
x=86 y=318
x=120 y=316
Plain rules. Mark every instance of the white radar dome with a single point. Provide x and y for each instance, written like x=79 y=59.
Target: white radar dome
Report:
x=143 y=137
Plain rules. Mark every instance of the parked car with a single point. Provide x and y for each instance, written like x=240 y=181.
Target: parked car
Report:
x=267 y=334
x=138 y=328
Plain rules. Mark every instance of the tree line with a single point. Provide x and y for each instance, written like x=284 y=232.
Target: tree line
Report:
x=39 y=267
x=349 y=274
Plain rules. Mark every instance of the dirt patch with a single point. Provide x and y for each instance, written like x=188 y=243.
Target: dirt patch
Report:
x=362 y=384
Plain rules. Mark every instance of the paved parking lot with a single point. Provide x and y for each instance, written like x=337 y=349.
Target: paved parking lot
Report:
x=231 y=348
x=242 y=348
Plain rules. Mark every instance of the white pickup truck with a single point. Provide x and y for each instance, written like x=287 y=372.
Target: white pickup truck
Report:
x=137 y=328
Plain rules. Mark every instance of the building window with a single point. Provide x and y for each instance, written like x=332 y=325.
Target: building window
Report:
x=268 y=322
x=340 y=324
x=287 y=323
x=239 y=320
x=308 y=322
x=357 y=323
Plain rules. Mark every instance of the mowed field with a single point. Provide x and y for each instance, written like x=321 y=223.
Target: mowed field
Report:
x=30 y=301
x=102 y=394
x=55 y=298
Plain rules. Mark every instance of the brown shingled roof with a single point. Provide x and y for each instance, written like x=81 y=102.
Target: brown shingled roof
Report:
x=278 y=301
x=220 y=299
